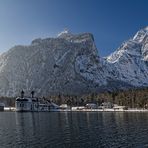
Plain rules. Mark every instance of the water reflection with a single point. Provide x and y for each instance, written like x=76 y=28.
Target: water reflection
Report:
x=73 y=130
x=27 y=128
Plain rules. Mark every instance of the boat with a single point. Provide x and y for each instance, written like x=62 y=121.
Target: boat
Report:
x=32 y=104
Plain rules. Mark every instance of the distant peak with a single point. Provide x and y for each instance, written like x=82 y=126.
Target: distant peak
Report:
x=146 y=28
x=64 y=33
x=141 y=34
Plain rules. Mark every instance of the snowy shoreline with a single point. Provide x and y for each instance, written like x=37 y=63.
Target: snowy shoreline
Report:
x=110 y=110
x=89 y=110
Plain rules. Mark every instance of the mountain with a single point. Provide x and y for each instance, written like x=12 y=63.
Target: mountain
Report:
x=130 y=61
x=70 y=64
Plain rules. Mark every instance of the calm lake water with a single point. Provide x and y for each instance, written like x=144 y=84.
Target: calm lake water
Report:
x=73 y=130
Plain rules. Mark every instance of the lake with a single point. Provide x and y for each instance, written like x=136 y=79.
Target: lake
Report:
x=73 y=130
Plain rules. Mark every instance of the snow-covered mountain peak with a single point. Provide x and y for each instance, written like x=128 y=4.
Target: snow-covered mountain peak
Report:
x=141 y=35
x=135 y=47
x=146 y=28
x=70 y=64
x=129 y=48
x=64 y=33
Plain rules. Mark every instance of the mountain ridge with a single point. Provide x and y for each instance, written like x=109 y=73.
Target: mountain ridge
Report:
x=70 y=64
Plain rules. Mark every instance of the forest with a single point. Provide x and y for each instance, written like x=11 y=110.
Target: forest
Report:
x=132 y=98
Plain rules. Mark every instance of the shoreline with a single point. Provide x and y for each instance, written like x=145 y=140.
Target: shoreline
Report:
x=111 y=110
x=13 y=109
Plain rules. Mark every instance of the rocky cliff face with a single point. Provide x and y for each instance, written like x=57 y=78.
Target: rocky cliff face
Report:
x=66 y=64
x=70 y=64
x=130 y=61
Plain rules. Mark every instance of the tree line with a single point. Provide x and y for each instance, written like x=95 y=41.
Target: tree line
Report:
x=132 y=98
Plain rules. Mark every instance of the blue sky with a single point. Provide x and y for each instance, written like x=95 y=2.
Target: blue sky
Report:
x=110 y=21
